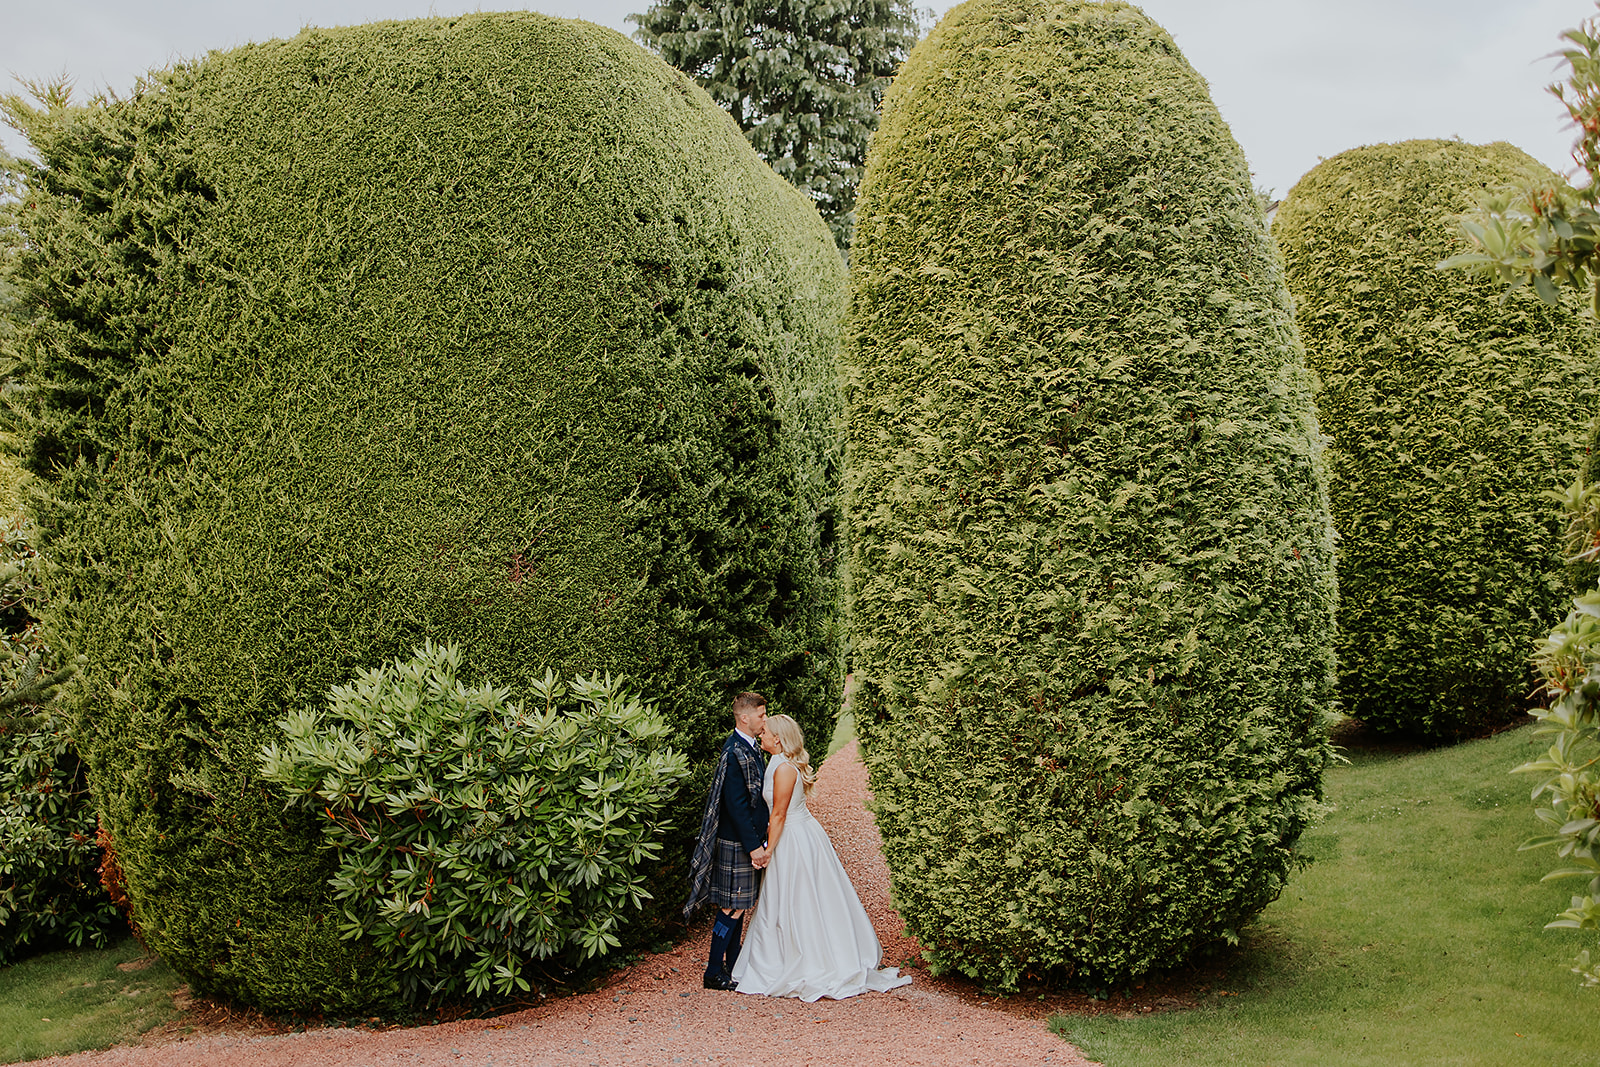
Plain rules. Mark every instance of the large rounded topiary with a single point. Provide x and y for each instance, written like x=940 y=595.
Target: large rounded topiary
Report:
x=1450 y=413
x=491 y=330
x=1091 y=555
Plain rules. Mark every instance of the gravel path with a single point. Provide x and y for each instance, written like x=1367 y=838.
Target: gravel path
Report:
x=655 y=1012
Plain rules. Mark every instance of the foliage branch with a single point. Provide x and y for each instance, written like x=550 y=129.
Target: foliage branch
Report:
x=477 y=836
x=1569 y=783
x=1548 y=235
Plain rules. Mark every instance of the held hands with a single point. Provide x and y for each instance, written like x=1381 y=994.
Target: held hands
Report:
x=760 y=857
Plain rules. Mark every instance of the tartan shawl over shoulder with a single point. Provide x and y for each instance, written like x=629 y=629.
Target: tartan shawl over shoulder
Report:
x=736 y=752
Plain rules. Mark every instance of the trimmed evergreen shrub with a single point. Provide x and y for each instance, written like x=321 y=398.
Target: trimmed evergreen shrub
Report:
x=1451 y=413
x=489 y=330
x=1091 y=555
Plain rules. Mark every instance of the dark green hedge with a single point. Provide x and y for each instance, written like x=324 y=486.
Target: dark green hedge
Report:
x=1450 y=413
x=50 y=891
x=1091 y=553
x=491 y=330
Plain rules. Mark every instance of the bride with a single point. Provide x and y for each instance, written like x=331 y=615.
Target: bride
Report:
x=810 y=936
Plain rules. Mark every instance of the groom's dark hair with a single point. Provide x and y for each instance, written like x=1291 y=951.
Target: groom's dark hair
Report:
x=748 y=702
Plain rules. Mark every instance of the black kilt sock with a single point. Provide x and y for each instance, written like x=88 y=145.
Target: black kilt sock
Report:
x=723 y=928
x=735 y=943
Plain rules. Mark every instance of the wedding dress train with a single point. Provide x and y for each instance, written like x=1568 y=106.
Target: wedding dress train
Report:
x=809 y=936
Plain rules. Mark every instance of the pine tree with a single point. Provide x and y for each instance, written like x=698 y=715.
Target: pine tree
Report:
x=802 y=78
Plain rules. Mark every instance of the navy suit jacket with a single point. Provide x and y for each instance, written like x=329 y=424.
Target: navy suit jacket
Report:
x=744 y=814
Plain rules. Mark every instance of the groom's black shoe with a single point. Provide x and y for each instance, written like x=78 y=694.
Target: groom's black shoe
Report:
x=719 y=981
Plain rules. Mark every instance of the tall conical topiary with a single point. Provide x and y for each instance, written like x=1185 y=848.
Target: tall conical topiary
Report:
x=1091 y=556
x=1450 y=413
x=490 y=330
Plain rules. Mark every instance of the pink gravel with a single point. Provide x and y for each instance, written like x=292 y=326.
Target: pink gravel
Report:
x=655 y=1012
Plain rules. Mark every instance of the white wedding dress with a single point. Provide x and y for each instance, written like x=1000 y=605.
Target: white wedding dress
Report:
x=809 y=936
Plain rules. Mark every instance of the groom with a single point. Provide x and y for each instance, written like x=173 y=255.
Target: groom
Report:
x=733 y=834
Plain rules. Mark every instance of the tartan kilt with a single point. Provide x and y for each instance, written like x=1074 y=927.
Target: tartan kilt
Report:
x=734 y=879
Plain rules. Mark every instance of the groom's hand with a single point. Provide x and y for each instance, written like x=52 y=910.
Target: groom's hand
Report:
x=758 y=858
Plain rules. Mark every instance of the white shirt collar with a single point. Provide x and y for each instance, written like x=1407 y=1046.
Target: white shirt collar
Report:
x=746 y=736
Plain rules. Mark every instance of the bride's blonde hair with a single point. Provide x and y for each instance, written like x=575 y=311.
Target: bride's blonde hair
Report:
x=794 y=747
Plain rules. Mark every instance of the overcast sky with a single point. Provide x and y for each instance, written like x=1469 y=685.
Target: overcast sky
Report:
x=1296 y=79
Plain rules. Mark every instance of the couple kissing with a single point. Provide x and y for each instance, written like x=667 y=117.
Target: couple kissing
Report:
x=763 y=854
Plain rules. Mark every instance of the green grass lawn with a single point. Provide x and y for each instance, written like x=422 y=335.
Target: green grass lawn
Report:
x=844 y=730
x=68 y=1001
x=1414 y=938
